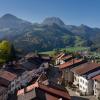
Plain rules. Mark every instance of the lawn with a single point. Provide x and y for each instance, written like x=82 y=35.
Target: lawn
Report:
x=68 y=49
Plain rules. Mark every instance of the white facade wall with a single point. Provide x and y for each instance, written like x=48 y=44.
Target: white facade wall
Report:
x=76 y=80
x=59 y=61
x=84 y=85
x=62 y=61
x=96 y=88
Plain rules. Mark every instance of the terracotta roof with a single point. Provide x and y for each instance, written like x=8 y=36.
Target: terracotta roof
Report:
x=7 y=75
x=57 y=92
x=84 y=68
x=66 y=57
x=70 y=63
x=96 y=78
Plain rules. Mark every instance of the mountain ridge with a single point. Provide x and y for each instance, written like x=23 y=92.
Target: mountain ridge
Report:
x=51 y=33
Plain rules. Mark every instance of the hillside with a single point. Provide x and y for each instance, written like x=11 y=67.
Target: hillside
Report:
x=51 y=33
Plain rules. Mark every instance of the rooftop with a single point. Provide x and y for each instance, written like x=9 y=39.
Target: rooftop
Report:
x=7 y=75
x=29 y=66
x=86 y=67
x=96 y=78
x=15 y=69
x=70 y=63
x=57 y=92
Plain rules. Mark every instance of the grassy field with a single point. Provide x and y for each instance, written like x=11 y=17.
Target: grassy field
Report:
x=69 y=49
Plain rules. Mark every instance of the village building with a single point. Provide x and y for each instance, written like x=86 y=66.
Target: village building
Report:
x=8 y=80
x=82 y=77
x=96 y=86
x=66 y=67
x=62 y=58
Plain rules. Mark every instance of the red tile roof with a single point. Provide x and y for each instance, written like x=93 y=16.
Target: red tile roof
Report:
x=66 y=57
x=7 y=75
x=86 y=67
x=96 y=78
x=69 y=63
x=57 y=92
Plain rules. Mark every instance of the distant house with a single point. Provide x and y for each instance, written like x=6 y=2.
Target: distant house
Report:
x=96 y=85
x=21 y=74
x=8 y=80
x=58 y=58
x=82 y=77
x=62 y=58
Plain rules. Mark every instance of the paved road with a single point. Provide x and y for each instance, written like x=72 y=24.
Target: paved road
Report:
x=74 y=96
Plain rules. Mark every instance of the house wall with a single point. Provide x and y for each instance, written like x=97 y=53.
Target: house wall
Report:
x=62 y=61
x=68 y=75
x=50 y=97
x=90 y=86
x=76 y=80
x=96 y=88
x=59 y=61
x=3 y=95
x=85 y=86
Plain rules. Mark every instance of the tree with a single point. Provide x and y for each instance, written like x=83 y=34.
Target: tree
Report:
x=7 y=51
x=12 y=52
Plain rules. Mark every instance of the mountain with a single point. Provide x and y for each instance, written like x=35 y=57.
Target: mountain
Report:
x=10 y=26
x=11 y=21
x=46 y=37
x=83 y=30
x=51 y=33
x=53 y=20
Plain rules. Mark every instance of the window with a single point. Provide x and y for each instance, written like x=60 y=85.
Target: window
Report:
x=12 y=85
x=86 y=83
x=80 y=80
x=83 y=88
x=74 y=78
x=80 y=86
x=83 y=81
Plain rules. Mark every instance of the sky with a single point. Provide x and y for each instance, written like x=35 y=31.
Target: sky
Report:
x=72 y=12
